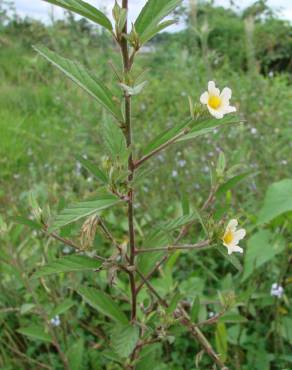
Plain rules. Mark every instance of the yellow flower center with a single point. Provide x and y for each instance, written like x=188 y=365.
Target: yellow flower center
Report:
x=228 y=237
x=214 y=101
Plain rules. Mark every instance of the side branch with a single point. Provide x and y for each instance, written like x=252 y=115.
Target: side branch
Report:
x=160 y=148
x=201 y=245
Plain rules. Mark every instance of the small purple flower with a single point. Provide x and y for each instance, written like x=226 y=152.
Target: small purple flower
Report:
x=277 y=290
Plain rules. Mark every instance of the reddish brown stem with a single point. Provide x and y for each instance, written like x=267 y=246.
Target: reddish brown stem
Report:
x=128 y=134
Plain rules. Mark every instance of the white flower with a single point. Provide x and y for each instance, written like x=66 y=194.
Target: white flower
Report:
x=217 y=104
x=67 y=250
x=182 y=162
x=232 y=236
x=174 y=173
x=277 y=290
x=55 y=321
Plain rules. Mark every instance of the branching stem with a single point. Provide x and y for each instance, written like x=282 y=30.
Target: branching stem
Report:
x=161 y=147
x=127 y=63
x=200 y=245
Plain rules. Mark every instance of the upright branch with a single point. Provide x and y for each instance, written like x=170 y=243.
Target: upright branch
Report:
x=127 y=63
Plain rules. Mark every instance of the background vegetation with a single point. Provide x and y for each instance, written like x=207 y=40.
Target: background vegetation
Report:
x=46 y=123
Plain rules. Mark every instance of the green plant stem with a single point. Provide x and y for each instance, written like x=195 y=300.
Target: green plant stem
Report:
x=127 y=63
x=148 y=276
x=200 y=245
x=160 y=148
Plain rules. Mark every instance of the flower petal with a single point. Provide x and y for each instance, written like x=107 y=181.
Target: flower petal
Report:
x=215 y=113
x=226 y=93
x=213 y=89
x=239 y=234
x=204 y=98
x=237 y=248
x=229 y=109
x=232 y=224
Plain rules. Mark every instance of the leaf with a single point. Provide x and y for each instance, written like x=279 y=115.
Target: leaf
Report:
x=233 y=318
x=278 y=200
x=173 y=303
x=204 y=126
x=231 y=258
x=67 y=264
x=135 y=90
x=79 y=210
x=153 y=31
x=195 y=309
x=286 y=330
x=83 y=78
x=146 y=261
x=165 y=136
x=75 y=355
x=25 y=221
x=221 y=340
x=148 y=21
x=124 y=339
x=95 y=171
x=103 y=303
x=231 y=183
x=179 y=222
x=62 y=308
x=260 y=249
x=26 y=307
x=35 y=332
x=114 y=140
x=86 y=10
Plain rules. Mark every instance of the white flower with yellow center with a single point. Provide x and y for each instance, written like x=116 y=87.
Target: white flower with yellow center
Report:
x=217 y=104
x=232 y=237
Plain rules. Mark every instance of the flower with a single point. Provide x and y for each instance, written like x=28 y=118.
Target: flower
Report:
x=55 y=321
x=217 y=104
x=232 y=236
x=277 y=290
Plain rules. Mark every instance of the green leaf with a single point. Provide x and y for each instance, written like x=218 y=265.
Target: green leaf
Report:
x=35 y=332
x=124 y=339
x=26 y=308
x=75 y=355
x=231 y=183
x=286 y=330
x=148 y=21
x=153 y=31
x=62 y=308
x=165 y=137
x=231 y=258
x=67 y=264
x=195 y=309
x=114 y=141
x=86 y=10
x=204 y=126
x=233 y=318
x=134 y=90
x=278 y=200
x=84 y=209
x=146 y=261
x=95 y=171
x=221 y=340
x=179 y=222
x=261 y=249
x=25 y=221
x=83 y=78
x=173 y=303
x=103 y=303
